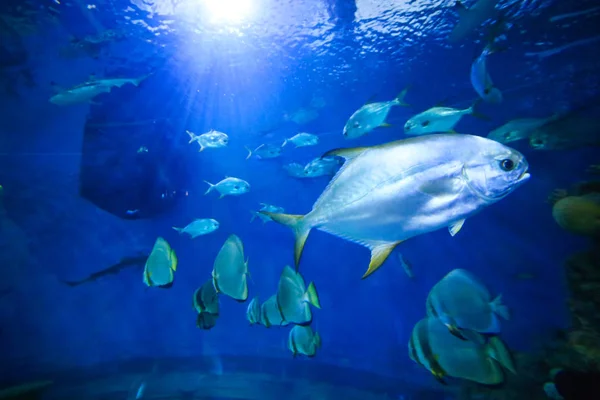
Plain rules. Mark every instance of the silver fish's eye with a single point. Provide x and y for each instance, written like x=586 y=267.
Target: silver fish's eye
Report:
x=507 y=164
x=424 y=123
x=356 y=124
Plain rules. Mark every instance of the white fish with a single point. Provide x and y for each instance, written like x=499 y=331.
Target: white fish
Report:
x=230 y=270
x=518 y=129
x=302 y=140
x=161 y=265
x=265 y=151
x=85 y=92
x=302 y=340
x=294 y=298
x=370 y=116
x=211 y=139
x=471 y=18
x=437 y=119
x=322 y=166
x=270 y=313
x=229 y=187
x=384 y=195
x=266 y=207
x=481 y=80
x=199 y=227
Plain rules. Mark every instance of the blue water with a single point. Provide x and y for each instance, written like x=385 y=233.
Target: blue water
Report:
x=241 y=75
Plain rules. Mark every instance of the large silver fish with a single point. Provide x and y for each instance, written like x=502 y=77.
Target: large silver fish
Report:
x=384 y=195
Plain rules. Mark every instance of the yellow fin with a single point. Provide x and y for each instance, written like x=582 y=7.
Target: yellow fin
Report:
x=451 y=131
x=297 y=224
x=147 y=281
x=313 y=297
x=497 y=350
x=317 y=339
x=378 y=256
x=386 y=125
x=173 y=260
x=456 y=227
x=347 y=153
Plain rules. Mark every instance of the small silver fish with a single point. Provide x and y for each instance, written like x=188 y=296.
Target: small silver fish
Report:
x=230 y=270
x=481 y=80
x=85 y=92
x=436 y=119
x=302 y=116
x=302 y=340
x=294 y=298
x=266 y=207
x=265 y=151
x=371 y=116
x=322 y=166
x=211 y=139
x=199 y=227
x=253 y=312
x=296 y=170
x=302 y=140
x=229 y=187
x=518 y=129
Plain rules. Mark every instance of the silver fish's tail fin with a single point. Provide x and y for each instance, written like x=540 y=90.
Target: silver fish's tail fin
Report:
x=471 y=110
x=399 y=100
x=249 y=152
x=210 y=187
x=139 y=80
x=254 y=215
x=312 y=297
x=296 y=223
x=497 y=350
x=192 y=136
x=180 y=230
x=499 y=308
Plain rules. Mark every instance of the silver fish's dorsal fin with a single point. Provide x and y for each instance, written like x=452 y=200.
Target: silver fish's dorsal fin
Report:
x=456 y=227
x=346 y=153
x=461 y=9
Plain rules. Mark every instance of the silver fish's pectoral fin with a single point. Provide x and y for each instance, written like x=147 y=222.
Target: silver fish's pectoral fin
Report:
x=379 y=253
x=443 y=187
x=456 y=227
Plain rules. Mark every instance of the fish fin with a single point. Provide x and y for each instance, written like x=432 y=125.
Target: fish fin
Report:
x=460 y=8
x=210 y=188
x=371 y=99
x=456 y=227
x=221 y=196
x=346 y=153
x=92 y=78
x=441 y=103
x=139 y=80
x=201 y=147
x=497 y=350
x=298 y=225
x=472 y=336
x=499 y=308
x=437 y=188
x=313 y=296
x=180 y=230
x=254 y=215
x=191 y=135
x=399 y=100
x=455 y=331
x=386 y=125
x=451 y=131
x=249 y=152
x=147 y=280
x=173 y=260
x=317 y=340
x=476 y=114
x=379 y=254
x=284 y=143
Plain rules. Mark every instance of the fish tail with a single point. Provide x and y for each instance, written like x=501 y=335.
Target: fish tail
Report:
x=191 y=135
x=249 y=152
x=139 y=80
x=284 y=143
x=210 y=188
x=298 y=225
x=471 y=110
x=399 y=100
x=497 y=350
x=312 y=296
x=254 y=215
x=178 y=229
x=499 y=308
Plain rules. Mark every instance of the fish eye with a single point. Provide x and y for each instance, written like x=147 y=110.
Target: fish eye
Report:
x=507 y=164
x=537 y=142
x=357 y=124
x=424 y=123
x=486 y=91
x=236 y=187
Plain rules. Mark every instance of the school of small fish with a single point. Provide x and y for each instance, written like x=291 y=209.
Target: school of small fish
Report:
x=379 y=197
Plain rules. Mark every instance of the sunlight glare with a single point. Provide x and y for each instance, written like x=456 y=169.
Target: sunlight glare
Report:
x=229 y=10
